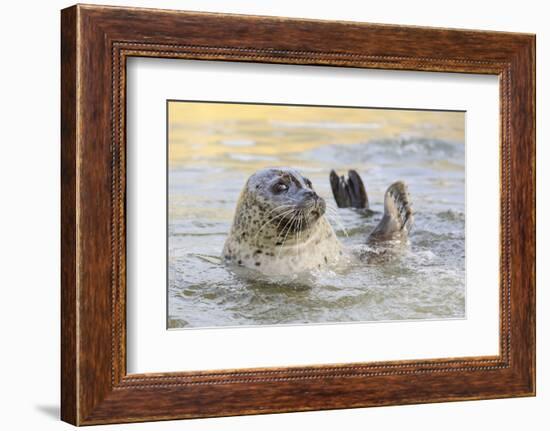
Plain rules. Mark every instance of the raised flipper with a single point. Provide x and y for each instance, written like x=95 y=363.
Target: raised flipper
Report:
x=350 y=192
x=398 y=215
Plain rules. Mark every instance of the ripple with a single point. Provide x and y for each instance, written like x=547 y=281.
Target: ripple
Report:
x=238 y=142
x=426 y=280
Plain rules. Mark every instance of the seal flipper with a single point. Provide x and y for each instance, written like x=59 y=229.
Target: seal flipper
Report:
x=398 y=215
x=350 y=192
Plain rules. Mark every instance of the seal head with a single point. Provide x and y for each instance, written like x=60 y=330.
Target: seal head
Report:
x=279 y=225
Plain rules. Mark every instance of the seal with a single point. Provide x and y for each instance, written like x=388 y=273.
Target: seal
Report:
x=280 y=226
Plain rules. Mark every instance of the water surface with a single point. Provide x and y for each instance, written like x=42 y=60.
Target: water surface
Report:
x=213 y=148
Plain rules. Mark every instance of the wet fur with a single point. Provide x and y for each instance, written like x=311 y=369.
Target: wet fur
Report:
x=265 y=238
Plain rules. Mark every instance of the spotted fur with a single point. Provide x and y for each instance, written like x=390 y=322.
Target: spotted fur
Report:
x=265 y=237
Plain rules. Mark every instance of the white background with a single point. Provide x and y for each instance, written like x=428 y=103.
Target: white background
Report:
x=151 y=348
x=29 y=216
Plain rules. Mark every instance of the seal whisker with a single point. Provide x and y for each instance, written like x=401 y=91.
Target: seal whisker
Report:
x=332 y=214
x=275 y=209
x=299 y=240
x=278 y=207
x=339 y=223
x=307 y=224
x=282 y=220
x=288 y=221
x=293 y=218
x=282 y=214
x=298 y=231
x=332 y=210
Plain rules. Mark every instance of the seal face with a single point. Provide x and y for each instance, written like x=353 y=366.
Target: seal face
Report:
x=280 y=226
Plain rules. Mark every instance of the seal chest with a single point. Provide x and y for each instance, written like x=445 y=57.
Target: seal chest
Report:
x=279 y=226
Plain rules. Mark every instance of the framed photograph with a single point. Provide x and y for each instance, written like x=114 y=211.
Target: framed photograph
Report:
x=264 y=214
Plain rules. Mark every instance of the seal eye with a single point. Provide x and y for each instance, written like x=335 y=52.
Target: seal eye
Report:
x=280 y=187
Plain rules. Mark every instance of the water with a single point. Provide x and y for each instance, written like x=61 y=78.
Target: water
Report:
x=211 y=156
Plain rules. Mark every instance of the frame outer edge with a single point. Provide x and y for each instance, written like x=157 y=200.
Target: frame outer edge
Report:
x=532 y=100
x=69 y=202
x=87 y=397
x=530 y=63
x=533 y=53
x=523 y=183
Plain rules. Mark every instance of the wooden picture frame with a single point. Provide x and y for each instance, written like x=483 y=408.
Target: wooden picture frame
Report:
x=96 y=41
